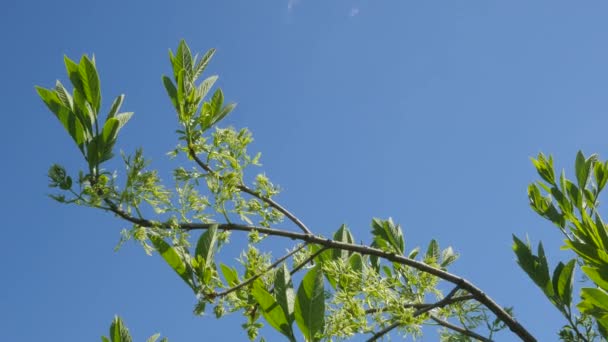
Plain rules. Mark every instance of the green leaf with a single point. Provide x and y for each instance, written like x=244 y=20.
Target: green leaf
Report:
x=544 y=167
x=432 y=252
x=563 y=282
x=123 y=118
x=90 y=83
x=601 y=175
x=116 y=106
x=387 y=236
x=284 y=293
x=205 y=86
x=171 y=91
x=72 y=69
x=599 y=275
x=595 y=303
x=271 y=310
x=356 y=262
x=535 y=266
x=105 y=339
x=64 y=96
x=448 y=256
x=230 y=274
x=207 y=244
x=202 y=63
x=173 y=258
x=67 y=118
x=414 y=253
x=184 y=56
x=342 y=235
x=310 y=305
x=216 y=102
x=153 y=338
x=119 y=332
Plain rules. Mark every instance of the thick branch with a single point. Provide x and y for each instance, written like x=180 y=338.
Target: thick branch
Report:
x=244 y=188
x=477 y=293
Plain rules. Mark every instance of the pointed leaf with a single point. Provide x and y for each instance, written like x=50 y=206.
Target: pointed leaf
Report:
x=598 y=275
x=207 y=244
x=205 y=86
x=342 y=235
x=123 y=118
x=310 y=305
x=116 y=106
x=230 y=274
x=119 y=332
x=202 y=64
x=432 y=251
x=173 y=258
x=171 y=91
x=563 y=282
x=284 y=293
x=67 y=118
x=271 y=310
x=153 y=338
x=90 y=83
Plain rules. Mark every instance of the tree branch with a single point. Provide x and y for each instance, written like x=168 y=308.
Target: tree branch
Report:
x=477 y=293
x=424 y=305
x=461 y=330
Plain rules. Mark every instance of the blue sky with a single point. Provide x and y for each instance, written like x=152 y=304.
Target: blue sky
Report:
x=426 y=111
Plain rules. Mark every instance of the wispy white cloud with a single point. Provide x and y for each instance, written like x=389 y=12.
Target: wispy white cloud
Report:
x=353 y=11
x=291 y=4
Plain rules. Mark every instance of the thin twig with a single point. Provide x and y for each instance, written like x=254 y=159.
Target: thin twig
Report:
x=245 y=189
x=252 y=279
x=461 y=330
x=424 y=305
x=309 y=259
x=439 y=304
x=383 y=332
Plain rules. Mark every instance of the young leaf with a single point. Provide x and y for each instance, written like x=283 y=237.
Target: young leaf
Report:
x=207 y=244
x=72 y=69
x=432 y=252
x=387 y=236
x=90 y=82
x=271 y=310
x=544 y=168
x=116 y=106
x=284 y=293
x=535 y=266
x=563 y=282
x=67 y=118
x=205 y=86
x=123 y=118
x=153 y=338
x=342 y=235
x=230 y=274
x=171 y=91
x=173 y=258
x=599 y=275
x=595 y=303
x=310 y=305
x=119 y=332
x=202 y=64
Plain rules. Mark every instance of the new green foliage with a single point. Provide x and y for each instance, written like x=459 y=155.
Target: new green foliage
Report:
x=310 y=305
x=573 y=207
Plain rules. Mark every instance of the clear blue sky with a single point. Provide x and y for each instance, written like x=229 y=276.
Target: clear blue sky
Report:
x=426 y=111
